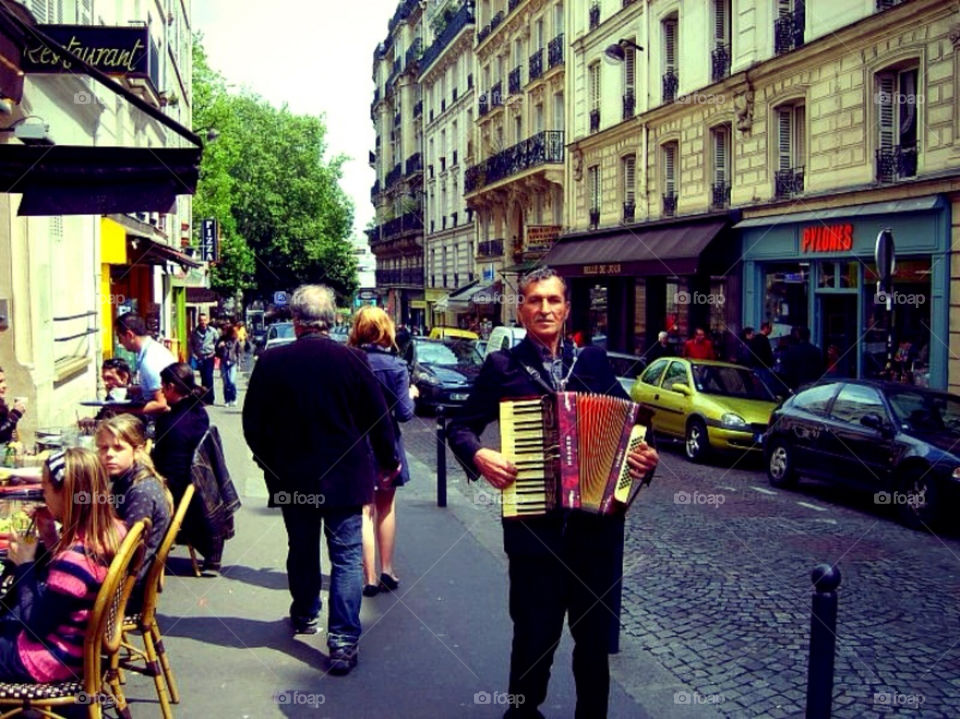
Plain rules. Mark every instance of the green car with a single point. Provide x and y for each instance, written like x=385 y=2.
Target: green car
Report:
x=710 y=405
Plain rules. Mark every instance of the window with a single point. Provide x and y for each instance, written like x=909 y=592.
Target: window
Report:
x=654 y=372
x=594 y=92
x=558 y=116
x=670 y=184
x=676 y=374
x=791 y=149
x=721 y=39
x=629 y=81
x=816 y=399
x=629 y=166
x=539 y=34
x=671 y=80
x=855 y=401
x=896 y=102
x=720 y=192
x=538 y=118
x=788 y=28
x=518 y=128
x=593 y=187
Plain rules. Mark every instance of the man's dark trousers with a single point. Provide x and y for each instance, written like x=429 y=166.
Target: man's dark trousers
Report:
x=206 y=377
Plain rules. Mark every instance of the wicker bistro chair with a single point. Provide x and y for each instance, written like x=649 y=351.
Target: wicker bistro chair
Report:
x=99 y=686
x=153 y=655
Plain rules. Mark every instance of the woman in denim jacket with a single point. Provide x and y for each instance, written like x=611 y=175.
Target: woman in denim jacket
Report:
x=374 y=332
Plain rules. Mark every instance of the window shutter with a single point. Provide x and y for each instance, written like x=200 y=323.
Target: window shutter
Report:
x=594 y=187
x=784 y=7
x=595 y=86
x=669 y=169
x=629 y=70
x=785 y=127
x=86 y=12
x=720 y=21
x=670 y=45
x=886 y=87
x=629 y=177
x=720 y=150
x=799 y=129
x=39 y=10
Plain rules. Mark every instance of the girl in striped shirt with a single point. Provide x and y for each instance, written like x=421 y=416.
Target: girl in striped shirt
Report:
x=41 y=636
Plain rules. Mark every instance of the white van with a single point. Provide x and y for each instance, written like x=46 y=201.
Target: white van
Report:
x=503 y=338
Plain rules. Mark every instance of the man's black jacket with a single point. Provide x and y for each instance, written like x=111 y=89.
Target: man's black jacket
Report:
x=505 y=375
x=312 y=413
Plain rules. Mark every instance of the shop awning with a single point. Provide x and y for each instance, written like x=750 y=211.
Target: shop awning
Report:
x=459 y=300
x=78 y=180
x=158 y=253
x=913 y=204
x=661 y=250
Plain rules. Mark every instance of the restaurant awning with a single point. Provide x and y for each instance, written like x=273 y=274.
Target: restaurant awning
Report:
x=459 y=300
x=159 y=253
x=78 y=180
x=660 y=250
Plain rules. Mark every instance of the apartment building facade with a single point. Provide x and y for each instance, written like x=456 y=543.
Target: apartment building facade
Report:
x=449 y=106
x=396 y=239
x=739 y=168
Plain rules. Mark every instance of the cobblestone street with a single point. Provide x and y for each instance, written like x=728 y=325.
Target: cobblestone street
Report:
x=717 y=589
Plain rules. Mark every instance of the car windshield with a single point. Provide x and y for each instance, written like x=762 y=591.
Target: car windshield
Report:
x=450 y=352
x=927 y=411
x=730 y=382
x=284 y=331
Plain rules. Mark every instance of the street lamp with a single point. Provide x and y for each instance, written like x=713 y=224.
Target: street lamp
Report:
x=616 y=53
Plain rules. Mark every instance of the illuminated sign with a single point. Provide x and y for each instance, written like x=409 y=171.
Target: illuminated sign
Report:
x=827 y=238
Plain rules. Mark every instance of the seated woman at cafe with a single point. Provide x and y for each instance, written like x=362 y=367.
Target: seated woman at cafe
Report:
x=41 y=637
x=9 y=414
x=137 y=489
x=178 y=433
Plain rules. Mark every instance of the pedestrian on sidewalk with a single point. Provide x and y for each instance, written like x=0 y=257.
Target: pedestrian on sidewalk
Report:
x=373 y=331
x=203 y=346
x=312 y=415
x=556 y=561
x=230 y=352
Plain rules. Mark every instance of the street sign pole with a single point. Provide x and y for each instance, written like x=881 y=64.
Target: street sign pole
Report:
x=885 y=257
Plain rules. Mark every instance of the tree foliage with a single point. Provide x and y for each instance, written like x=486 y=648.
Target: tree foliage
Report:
x=284 y=218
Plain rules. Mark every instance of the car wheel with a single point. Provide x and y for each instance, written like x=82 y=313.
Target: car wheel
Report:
x=918 y=504
x=780 y=470
x=696 y=443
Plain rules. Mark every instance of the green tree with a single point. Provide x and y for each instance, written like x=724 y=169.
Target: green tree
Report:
x=284 y=217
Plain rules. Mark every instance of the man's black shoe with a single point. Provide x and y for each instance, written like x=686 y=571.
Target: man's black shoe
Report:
x=343 y=659
x=304 y=625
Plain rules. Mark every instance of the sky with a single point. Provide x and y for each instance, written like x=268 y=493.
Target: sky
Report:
x=317 y=57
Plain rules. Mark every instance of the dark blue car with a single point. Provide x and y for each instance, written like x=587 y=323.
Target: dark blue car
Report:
x=443 y=371
x=898 y=441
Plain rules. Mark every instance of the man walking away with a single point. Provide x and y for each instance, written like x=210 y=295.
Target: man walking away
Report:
x=312 y=413
x=203 y=344
x=661 y=348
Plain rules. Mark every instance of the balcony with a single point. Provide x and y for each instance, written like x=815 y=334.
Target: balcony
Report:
x=495 y=21
x=490 y=248
x=720 y=196
x=513 y=81
x=374 y=191
x=555 y=51
x=629 y=105
x=414 y=164
x=896 y=163
x=394 y=175
x=788 y=183
x=418 y=109
x=408 y=276
x=513 y=4
x=414 y=53
x=720 y=62
x=788 y=31
x=594 y=15
x=669 y=204
x=410 y=222
x=594 y=218
x=629 y=210
x=396 y=120
x=483 y=34
x=496 y=95
x=453 y=95
x=594 y=120
x=671 y=81
x=536 y=65
x=540 y=149
x=457 y=23
x=483 y=106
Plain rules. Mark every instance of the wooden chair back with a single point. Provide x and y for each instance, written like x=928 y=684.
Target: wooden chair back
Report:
x=153 y=583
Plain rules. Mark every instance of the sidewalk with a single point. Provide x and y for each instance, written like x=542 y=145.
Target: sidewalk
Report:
x=439 y=647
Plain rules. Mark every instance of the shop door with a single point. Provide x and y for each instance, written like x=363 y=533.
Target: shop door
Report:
x=838 y=327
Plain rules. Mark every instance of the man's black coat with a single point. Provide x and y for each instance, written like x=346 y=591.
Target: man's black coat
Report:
x=312 y=413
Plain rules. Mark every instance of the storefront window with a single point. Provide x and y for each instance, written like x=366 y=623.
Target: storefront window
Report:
x=598 y=315
x=838 y=275
x=785 y=299
x=910 y=300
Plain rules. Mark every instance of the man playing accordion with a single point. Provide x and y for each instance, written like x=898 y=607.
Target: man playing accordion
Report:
x=556 y=560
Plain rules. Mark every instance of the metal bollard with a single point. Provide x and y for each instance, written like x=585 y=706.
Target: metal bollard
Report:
x=823 y=634
x=441 y=458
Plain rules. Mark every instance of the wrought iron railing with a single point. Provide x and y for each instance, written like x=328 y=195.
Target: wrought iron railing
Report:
x=669 y=204
x=595 y=119
x=671 y=81
x=394 y=175
x=720 y=195
x=535 y=65
x=410 y=222
x=788 y=30
x=629 y=105
x=513 y=80
x=483 y=105
x=496 y=95
x=414 y=53
x=788 y=183
x=490 y=248
x=418 y=109
x=594 y=15
x=555 y=51
x=512 y=5
x=414 y=164
x=543 y=148
x=594 y=217
x=629 y=211
x=459 y=21
x=897 y=162
x=720 y=62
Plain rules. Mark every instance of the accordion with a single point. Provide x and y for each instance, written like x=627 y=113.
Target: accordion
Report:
x=570 y=450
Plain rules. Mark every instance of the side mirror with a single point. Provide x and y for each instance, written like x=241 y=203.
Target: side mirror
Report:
x=681 y=388
x=875 y=421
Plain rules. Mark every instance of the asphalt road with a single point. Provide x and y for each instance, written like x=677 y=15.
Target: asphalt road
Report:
x=717 y=590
